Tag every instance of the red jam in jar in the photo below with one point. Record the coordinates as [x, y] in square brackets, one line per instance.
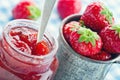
[22, 58]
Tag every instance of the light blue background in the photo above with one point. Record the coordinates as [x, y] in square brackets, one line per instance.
[54, 22]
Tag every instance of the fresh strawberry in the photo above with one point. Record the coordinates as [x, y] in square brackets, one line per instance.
[26, 9]
[85, 42]
[68, 7]
[102, 55]
[111, 39]
[41, 48]
[69, 27]
[97, 16]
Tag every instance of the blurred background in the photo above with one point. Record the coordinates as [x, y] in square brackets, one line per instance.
[6, 7]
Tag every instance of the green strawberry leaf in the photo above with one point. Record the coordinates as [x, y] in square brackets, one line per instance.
[87, 35]
[116, 28]
[81, 31]
[82, 38]
[93, 41]
[34, 12]
[76, 26]
[108, 14]
[73, 29]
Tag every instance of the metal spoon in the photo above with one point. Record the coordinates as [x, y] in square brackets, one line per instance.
[47, 9]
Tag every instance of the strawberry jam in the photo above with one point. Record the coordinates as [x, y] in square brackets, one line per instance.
[22, 58]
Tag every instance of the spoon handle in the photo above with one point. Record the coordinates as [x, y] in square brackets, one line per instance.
[47, 9]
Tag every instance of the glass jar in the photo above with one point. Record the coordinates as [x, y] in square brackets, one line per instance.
[18, 65]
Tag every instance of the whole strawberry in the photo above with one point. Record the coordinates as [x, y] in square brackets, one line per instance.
[97, 16]
[26, 9]
[69, 27]
[68, 7]
[85, 42]
[41, 48]
[111, 39]
[102, 56]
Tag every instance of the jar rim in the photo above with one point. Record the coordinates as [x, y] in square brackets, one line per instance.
[54, 42]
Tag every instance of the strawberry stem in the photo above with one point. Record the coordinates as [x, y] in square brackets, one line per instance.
[87, 36]
[82, 23]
